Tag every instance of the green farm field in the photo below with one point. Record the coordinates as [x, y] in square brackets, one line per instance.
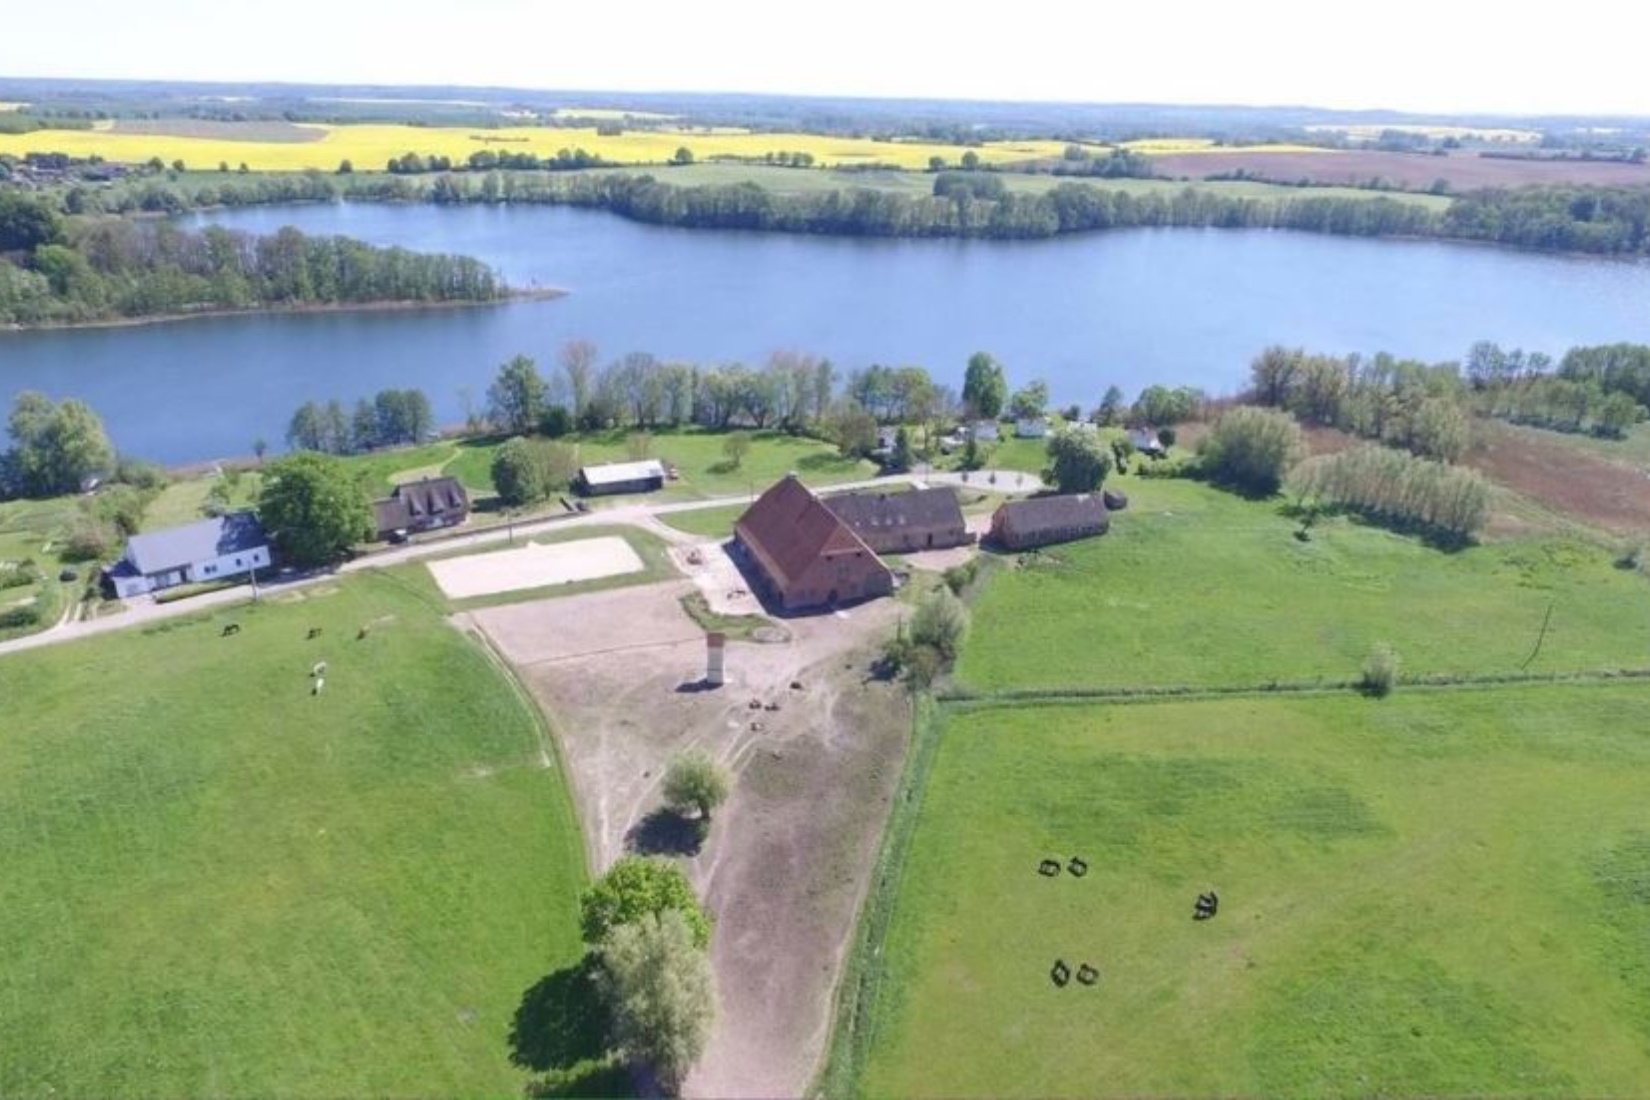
[1196, 587]
[219, 884]
[1440, 893]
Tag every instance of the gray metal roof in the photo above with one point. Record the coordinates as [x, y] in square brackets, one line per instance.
[612, 473]
[175, 547]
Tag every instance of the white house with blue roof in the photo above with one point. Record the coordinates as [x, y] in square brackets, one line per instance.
[211, 550]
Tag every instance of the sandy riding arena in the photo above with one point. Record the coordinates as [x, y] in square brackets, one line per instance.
[534, 566]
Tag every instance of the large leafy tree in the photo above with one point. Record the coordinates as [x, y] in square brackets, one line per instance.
[314, 507]
[527, 471]
[1080, 461]
[56, 445]
[1252, 448]
[636, 887]
[985, 388]
[657, 985]
[696, 783]
[26, 222]
[517, 397]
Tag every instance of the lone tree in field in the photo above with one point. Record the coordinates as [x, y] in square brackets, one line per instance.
[735, 447]
[696, 783]
[1080, 461]
[1380, 671]
[636, 887]
[315, 507]
[1252, 449]
[657, 984]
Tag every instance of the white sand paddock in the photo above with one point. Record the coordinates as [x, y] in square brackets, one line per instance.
[534, 566]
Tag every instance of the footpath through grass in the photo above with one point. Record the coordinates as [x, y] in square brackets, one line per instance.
[1194, 586]
[219, 884]
[1439, 893]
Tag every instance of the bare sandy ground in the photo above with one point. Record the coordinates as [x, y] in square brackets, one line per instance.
[534, 566]
[790, 855]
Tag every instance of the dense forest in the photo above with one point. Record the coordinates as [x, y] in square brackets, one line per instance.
[1609, 221]
[1424, 408]
[56, 270]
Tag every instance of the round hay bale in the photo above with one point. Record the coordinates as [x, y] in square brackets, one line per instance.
[1115, 499]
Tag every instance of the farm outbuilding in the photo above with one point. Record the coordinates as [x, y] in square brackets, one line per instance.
[1042, 521]
[900, 523]
[622, 477]
[421, 506]
[802, 555]
[210, 550]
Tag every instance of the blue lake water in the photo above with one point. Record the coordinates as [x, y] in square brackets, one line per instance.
[1130, 307]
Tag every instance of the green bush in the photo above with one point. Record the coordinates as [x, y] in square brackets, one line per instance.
[14, 617]
[1380, 671]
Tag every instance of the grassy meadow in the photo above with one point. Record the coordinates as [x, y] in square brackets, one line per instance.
[1442, 893]
[1194, 586]
[219, 884]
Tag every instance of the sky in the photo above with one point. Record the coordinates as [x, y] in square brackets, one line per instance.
[1582, 56]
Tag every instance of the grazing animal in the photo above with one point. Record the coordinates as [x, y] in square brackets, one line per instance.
[314, 632]
[320, 685]
[362, 633]
[320, 669]
[230, 628]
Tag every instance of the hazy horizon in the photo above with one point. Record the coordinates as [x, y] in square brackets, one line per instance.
[1408, 56]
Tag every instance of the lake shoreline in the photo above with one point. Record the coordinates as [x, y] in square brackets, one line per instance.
[537, 294]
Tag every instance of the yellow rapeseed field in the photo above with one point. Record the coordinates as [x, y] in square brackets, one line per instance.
[1168, 146]
[371, 147]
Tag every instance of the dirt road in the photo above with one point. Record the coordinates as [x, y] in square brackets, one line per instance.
[789, 856]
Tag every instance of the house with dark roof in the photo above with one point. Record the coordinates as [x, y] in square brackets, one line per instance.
[1042, 521]
[621, 477]
[901, 523]
[421, 506]
[211, 550]
[802, 555]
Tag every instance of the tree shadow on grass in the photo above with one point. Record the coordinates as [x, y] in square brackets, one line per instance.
[561, 1021]
[665, 833]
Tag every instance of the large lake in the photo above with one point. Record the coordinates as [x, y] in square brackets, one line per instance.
[1130, 307]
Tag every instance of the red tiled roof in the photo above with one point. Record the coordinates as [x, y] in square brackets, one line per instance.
[789, 530]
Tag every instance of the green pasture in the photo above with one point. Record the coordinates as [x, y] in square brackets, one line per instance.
[220, 884]
[1195, 586]
[706, 470]
[184, 501]
[709, 523]
[1441, 893]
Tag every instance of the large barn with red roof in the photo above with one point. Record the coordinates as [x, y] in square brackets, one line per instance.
[803, 554]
